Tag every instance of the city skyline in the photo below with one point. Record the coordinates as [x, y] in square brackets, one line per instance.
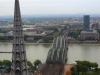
[51, 7]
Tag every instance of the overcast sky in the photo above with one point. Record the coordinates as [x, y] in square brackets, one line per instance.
[44, 7]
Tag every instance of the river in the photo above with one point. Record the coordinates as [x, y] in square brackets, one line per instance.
[89, 52]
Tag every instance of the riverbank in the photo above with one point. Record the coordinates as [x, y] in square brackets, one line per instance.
[84, 42]
[70, 42]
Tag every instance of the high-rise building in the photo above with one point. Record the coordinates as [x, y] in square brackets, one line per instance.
[19, 62]
[86, 22]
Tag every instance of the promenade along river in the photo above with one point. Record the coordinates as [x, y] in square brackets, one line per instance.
[90, 52]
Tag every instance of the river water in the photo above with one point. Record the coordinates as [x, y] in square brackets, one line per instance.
[89, 52]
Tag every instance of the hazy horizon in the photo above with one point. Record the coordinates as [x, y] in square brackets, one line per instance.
[51, 7]
[52, 15]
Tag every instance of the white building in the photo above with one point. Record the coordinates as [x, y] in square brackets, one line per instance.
[89, 35]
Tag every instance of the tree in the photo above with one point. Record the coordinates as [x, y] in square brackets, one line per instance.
[37, 63]
[74, 34]
[85, 66]
[30, 66]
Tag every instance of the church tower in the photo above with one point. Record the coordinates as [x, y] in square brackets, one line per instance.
[19, 62]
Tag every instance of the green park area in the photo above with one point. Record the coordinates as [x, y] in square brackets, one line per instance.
[5, 66]
[81, 67]
[86, 68]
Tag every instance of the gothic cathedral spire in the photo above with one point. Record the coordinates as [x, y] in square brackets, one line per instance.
[19, 62]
